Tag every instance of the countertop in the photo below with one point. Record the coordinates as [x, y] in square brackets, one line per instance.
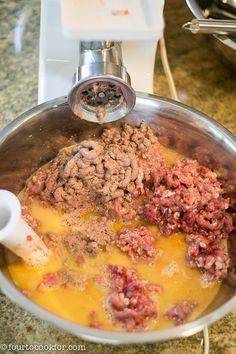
[202, 81]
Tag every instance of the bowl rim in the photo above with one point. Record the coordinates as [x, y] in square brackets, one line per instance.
[104, 336]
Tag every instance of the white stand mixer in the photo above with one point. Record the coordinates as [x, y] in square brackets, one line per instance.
[87, 34]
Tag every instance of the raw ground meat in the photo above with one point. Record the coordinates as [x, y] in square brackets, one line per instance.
[179, 313]
[92, 236]
[26, 292]
[138, 243]
[187, 197]
[208, 255]
[63, 277]
[128, 304]
[97, 173]
[93, 322]
[101, 279]
[155, 288]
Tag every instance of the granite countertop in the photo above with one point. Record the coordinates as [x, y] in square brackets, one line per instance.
[202, 81]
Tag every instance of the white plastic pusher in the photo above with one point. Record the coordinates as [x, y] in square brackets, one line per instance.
[17, 235]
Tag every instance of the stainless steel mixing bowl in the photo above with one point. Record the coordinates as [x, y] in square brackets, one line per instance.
[224, 45]
[36, 136]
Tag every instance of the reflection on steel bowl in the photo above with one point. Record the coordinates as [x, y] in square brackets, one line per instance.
[224, 45]
[39, 134]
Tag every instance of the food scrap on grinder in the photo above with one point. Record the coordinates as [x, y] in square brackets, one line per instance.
[123, 176]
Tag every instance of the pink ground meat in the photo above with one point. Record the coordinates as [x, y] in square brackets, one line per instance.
[138, 243]
[179, 313]
[93, 322]
[208, 255]
[155, 288]
[128, 303]
[187, 197]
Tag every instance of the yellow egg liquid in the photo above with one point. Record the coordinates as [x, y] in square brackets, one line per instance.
[170, 271]
[179, 282]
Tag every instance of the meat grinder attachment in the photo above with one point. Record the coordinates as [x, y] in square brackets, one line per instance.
[102, 91]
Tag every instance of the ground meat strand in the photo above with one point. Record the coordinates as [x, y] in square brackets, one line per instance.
[138, 243]
[128, 302]
[187, 197]
[208, 255]
[179, 313]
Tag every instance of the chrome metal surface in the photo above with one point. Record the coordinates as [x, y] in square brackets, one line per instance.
[224, 45]
[208, 26]
[102, 91]
[35, 137]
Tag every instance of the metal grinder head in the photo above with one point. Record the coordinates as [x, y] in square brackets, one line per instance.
[102, 92]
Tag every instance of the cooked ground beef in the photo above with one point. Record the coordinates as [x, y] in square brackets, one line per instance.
[140, 141]
[187, 197]
[63, 277]
[143, 144]
[178, 313]
[208, 255]
[138, 243]
[99, 172]
[107, 170]
[92, 236]
[128, 304]
[55, 189]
